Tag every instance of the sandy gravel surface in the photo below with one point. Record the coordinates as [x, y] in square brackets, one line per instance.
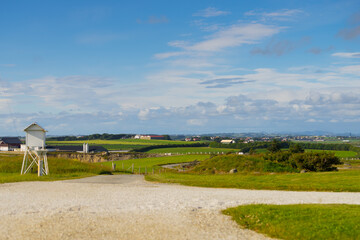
[127, 207]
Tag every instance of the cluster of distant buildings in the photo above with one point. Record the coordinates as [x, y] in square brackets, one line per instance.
[10, 144]
[149, 137]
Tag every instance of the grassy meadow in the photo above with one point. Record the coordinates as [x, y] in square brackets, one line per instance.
[122, 144]
[10, 167]
[153, 162]
[303, 221]
[192, 150]
[341, 181]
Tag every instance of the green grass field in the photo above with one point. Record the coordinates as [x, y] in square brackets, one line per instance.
[153, 162]
[192, 150]
[10, 167]
[122, 144]
[341, 181]
[308, 221]
[327, 141]
[340, 154]
[121, 141]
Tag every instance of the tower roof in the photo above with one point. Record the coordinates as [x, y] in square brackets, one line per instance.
[34, 127]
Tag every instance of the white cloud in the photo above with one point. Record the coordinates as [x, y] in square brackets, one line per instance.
[196, 122]
[5, 104]
[279, 47]
[168, 55]
[210, 12]
[235, 35]
[231, 36]
[352, 69]
[283, 14]
[62, 93]
[143, 114]
[347, 54]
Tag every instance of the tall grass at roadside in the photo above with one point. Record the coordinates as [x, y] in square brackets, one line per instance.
[59, 168]
[308, 221]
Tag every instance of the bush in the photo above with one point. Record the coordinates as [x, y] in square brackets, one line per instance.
[296, 148]
[275, 146]
[308, 161]
[279, 157]
[314, 161]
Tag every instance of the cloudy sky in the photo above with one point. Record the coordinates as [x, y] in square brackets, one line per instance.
[82, 67]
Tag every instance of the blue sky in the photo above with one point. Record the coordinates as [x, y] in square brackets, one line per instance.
[81, 67]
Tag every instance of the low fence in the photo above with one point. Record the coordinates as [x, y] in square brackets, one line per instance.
[349, 159]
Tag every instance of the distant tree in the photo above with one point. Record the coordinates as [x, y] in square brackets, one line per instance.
[275, 146]
[252, 151]
[166, 137]
[205, 138]
[296, 148]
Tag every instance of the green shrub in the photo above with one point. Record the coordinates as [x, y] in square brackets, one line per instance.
[314, 161]
[279, 157]
[296, 148]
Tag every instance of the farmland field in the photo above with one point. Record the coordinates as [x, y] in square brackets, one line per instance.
[122, 144]
[121, 141]
[153, 162]
[185, 150]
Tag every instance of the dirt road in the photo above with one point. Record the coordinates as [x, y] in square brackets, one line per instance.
[127, 207]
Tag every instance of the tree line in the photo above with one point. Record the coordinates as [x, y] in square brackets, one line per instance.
[104, 136]
[246, 147]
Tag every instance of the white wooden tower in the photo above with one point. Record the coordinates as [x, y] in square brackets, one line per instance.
[35, 152]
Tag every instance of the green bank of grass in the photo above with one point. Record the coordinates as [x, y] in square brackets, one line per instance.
[340, 154]
[153, 162]
[341, 181]
[308, 221]
[243, 163]
[10, 167]
[192, 150]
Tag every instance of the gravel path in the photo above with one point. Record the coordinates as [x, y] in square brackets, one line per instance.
[127, 207]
